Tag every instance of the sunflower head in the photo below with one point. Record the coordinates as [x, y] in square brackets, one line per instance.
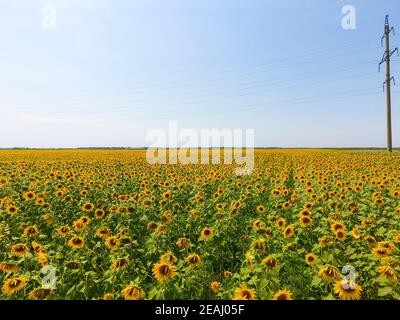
[283, 295]
[193, 260]
[163, 271]
[244, 293]
[310, 259]
[133, 293]
[215, 286]
[347, 290]
[12, 285]
[76, 242]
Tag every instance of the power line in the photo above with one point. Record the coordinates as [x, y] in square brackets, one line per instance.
[151, 86]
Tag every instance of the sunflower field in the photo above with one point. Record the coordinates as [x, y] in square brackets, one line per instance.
[105, 224]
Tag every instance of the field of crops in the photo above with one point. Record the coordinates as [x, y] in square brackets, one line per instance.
[104, 224]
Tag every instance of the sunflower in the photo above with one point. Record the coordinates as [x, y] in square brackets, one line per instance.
[193, 260]
[31, 231]
[79, 225]
[121, 263]
[215, 286]
[107, 296]
[258, 224]
[388, 273]
[12, 210]
[244, 293]
[370, 239]
[258, 245]
[207, 234]
[42, 259]
[152, 225]
[260, 209]
[227, 273]
[355, 233]
[88, 207]
[335, 227]
[282, 295]
[168, 257]
[103, 232]
[163, 271]
[76, 242]
[390, 247]
[347, 290]
[305, 221]
[99, 213]
[85, 220]
[9, 267]
[12, 285]
[19, 250]
[281, 223]
[133, 293]
[340, 235]
[112, 242]
[380, 252]
[37, 247]
[29, 196]
[183, 243]
[63, 231]
[329, 273]
[269, 262]
[310, 259]
[325, 241]
[289, 231]
[39, 294]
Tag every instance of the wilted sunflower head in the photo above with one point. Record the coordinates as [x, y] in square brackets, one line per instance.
[133, 293]
[121, 263]
[9, 267]
[329, 273]
[39, 294]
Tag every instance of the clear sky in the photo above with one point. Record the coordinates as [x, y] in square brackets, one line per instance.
[112, 70]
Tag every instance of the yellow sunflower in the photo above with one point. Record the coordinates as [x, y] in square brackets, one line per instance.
[329, 273]
[133, 293]
[193, 260]
[206, 234]
[12, 285]
[348, 290]
[19, 250]
[283, 295]
[163, 271]
[76, 242]
[244, 293]
[311, 259]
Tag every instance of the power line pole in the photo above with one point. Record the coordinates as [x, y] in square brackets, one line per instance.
[386, 58]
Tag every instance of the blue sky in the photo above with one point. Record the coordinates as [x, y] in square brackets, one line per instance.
[112, 70]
